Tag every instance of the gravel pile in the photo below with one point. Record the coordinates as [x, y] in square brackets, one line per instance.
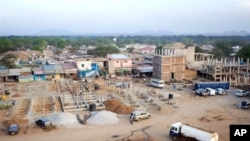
[66, 119]
[103, 117]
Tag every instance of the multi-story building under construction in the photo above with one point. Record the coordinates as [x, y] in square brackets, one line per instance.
[170, 62]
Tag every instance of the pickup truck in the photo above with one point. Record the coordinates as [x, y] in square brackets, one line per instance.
[44, 123]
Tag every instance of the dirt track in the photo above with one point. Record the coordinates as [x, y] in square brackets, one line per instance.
[214, 113]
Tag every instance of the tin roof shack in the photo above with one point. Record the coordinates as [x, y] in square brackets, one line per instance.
[70, 70]
[26, 75]
[4, 75]
[119, 63]
[38, 74]
[143, 69]
[14, 74]
[49, 72]
[59, 72]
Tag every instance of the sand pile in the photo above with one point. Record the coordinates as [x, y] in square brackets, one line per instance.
[16, 95]
[117, 107]
[103, 117]
[67, 119]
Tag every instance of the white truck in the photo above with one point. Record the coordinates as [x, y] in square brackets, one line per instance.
[179, 131]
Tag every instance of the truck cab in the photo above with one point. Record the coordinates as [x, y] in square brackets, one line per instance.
[175, 130]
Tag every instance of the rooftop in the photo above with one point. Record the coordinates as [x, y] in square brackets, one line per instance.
[117, 56]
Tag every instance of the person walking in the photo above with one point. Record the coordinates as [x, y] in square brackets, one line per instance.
[131, 120]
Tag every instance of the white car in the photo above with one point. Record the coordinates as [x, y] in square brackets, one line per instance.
[139, 115]
[242, 93]
[220, 91]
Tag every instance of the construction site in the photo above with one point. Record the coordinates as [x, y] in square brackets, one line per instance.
[42, 98]
[103, 104]
[70, 103]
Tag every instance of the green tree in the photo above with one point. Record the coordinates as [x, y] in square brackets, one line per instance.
[244, 52]
[61, 43]
[103, 51]
[218, 53]
[187, 41]
[225, 47]
[9, 61]
[131, 49]
[198, 49]
[39, 44]
[5, 45]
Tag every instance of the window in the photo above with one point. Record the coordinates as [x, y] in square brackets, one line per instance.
[117, 61]
[82, 65]
[125, 61]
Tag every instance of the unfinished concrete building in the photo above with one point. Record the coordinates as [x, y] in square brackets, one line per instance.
[170, 62]
[233, 70]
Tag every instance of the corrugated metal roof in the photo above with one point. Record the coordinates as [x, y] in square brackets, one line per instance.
[4, 72]
[38, 71]
[69, 66]
[118, 56]
[48, 69]
[14, 72]
[145, 68]
[58, 68]
[25, 69]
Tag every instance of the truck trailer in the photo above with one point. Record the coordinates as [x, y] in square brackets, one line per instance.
[213, 85]
[182, 131]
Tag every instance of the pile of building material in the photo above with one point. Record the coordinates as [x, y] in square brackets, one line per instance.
[64, 119]
[117, 107]
[102, 118]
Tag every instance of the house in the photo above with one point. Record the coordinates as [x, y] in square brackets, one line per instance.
[38, 74]
[207, 48]
[14, 74]
[86, 68]
[26, 75]
[147, 50]
[59, 72]
[118, 63]
[70, 70]
[49, 72]
[4, 74]
[48, 53]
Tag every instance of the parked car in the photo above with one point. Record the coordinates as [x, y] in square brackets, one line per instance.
[242, 93]
[44, 123]
[210, 91]
[13, 129]
[244, 104]
[139, 115]
[200, 91]
[220, 91]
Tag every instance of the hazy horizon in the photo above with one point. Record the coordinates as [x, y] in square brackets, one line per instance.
[30, 17]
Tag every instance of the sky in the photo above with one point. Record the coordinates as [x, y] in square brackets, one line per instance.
[24, 17]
